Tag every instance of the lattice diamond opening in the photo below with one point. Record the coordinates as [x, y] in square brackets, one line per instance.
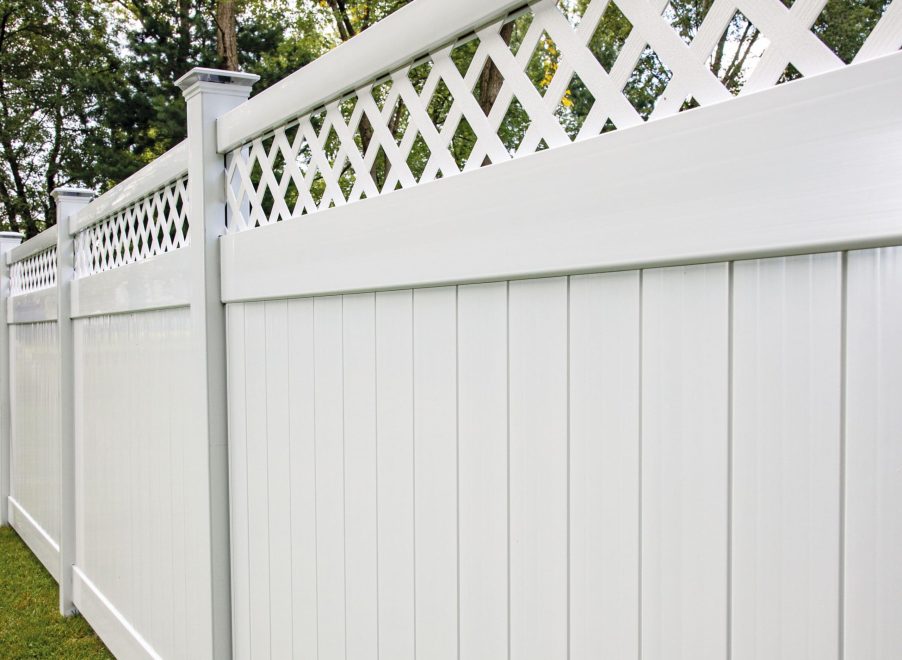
[33, 273]
[647, 82]
[789, 73]
[738, 52]
[151, 226]
[844, 25]
[541, 77]
[686, 17]
[574, 108]
[610, 36]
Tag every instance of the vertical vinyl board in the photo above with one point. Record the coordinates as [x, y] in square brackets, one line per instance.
[435, 500]
[131, 437]
[483, 483]
[167, 456]
[787, 328]
[78, 439]
[279, 476]
[141, 487]
[257, 478]
[177, 440]
[873, 453]
[34, 441]
[330, 542]
[159, 499]
[302, 463]
[538, 469]
[359, 349]
[604, 466]
[394, 428]
[685, 386]
[238, 494]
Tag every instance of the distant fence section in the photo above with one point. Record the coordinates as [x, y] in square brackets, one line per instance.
[34, 379]
[563, 381]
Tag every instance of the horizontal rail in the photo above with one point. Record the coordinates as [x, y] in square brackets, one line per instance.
[157, 283]
[393, 41]
[33, 307]
[165, 169]
[44, 547]
[808, 166]
[117, 633]
[43, 241]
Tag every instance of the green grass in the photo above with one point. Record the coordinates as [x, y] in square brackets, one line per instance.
[30, 623]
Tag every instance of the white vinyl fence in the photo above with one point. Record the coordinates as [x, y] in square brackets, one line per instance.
[633, 396]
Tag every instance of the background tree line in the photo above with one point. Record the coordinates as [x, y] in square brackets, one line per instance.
[87, 92]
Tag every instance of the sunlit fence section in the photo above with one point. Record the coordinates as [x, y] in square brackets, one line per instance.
[33, 359]
[538, 77]
[34, 273]
[625, 388]
[135, 230]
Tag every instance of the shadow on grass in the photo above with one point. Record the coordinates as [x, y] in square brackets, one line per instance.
[30, 623]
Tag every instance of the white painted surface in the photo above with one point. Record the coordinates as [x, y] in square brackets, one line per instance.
[605, 320]
[165, 169]
[33, 307]
[46, 549]
[482, 437]
[34, 438]
[8, 240]
[430, 28]
[587, 207]
[395, 460]
[685, 436]
[787, 337]
[158, 283]
[396, 39]
[133, 434]
[684, 462]
[872, 570]
[537, 353]
[594, 465]
[34, 245]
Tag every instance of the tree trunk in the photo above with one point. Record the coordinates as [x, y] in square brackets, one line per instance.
[184, 35]
[491, 80]
[227, 35]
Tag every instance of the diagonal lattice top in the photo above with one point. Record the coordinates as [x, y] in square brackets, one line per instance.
[34, 273]
[549, 74]
[151, 226]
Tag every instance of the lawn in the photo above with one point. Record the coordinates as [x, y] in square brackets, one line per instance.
[30, 623]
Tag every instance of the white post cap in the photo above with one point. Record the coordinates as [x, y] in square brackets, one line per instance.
[240, 81]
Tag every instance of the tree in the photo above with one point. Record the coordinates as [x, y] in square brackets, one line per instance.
[55, 63]
[227, 35]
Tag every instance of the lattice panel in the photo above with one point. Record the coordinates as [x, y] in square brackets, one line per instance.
[149, 227]
[34, 273]
[548, 75]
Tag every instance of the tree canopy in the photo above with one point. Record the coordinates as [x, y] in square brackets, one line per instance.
[87, 92]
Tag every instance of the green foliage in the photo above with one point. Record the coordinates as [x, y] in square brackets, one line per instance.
[50, 86]
[30, 623]
[845, 24]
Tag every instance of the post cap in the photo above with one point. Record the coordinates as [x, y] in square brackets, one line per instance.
[64, 191]
[11, 234]
[241, 80]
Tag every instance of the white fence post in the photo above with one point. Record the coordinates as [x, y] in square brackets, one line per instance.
[209, 93]
[68, 202]
[8, 240]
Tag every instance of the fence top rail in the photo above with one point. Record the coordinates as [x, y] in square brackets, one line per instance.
[34, 245]
[402, 37]
[165, 169]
